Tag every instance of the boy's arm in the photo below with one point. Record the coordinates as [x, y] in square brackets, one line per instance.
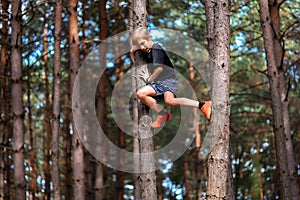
[155, 74]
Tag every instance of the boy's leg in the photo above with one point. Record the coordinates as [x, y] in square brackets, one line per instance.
[171, 100]
[146, 94]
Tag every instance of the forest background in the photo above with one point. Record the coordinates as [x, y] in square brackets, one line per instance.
[252, 138]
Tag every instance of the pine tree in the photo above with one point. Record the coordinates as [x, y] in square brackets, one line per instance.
[17, 100]
[219, 180]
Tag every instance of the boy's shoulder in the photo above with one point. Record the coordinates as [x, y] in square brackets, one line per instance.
[157, 46]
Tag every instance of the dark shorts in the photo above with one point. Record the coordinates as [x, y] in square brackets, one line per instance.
[161, 87]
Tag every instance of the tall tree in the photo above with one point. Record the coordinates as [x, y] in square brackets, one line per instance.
[56, 102]
[78, 153]
[218, 26]
[147, 178]
[4, 98]
[32, 152]
[101, 98]
[288, 188]
[47, 145]
[17, 100]
[136, 147]
[278, 42]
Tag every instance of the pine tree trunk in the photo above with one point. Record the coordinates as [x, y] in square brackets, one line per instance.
[136, 147]
[101, 100]
[46, 164]
[147, 178]
[17, 100]
[67, 148]
[32, 152]
[279, 55]
[219, 49]
[47, 156]
[121, 135]
[287, 180]
[78, 153]
[186, 178]
[56, 102]
[4, 99]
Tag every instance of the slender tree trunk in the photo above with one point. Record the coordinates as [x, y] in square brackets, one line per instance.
[121, 135]
[287, 180]
[78, 153]
[46, 164]
[217, 13]
[101, 100]
[32, 152]
[17, 100]
[147, 178]
[56, 102]
[4, 99]
[136, 147]
[89, 160]
[67, 149]
[186, 178]
[274, 7]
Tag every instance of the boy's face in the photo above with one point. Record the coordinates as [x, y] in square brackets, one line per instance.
[145, 45]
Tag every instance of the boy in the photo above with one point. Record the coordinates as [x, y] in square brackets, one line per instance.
[162, 80]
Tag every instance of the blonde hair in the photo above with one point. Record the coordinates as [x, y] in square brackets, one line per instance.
[137, 35]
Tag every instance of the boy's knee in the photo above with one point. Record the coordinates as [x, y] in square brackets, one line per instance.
[170, 102]
[140, 94]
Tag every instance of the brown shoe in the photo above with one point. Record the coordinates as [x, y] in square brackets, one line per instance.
[160, 120]
[206, 109]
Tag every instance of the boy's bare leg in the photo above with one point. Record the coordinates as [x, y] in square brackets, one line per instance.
[145, 94]
[171, 100]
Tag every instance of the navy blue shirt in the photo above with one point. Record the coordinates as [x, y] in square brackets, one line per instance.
[156, 57]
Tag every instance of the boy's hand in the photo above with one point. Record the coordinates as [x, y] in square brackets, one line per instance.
[144, 74]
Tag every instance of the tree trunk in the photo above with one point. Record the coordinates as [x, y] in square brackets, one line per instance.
[4, 99]
[101, 100]
[78, 153]
[32, 152]
[121, 135]
[186, 178]
[136, 147]
[56, 102]
[17, 100]
[274, 7]
[218, 27]
[46, 163]
[287, 180]
[67, 148]
[147, 178]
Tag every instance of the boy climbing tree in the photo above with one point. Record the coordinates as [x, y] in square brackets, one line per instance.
[161, 80]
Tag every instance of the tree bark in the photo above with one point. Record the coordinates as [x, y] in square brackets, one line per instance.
[147, 179]
[17, 100]
[287, 181]
[274, 7]
[4, 100]
[136, 147]
[78, 153]
[67, 148]
[46, 163]
[186, 178]
[218, 26]
[121, 135]
[101, 100]
[32, 152]
[56, 102]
